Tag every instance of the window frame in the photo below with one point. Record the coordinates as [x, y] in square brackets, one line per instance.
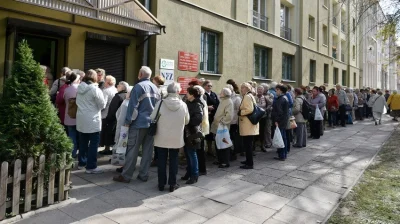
[313, 70]
[325, 35]
[326, 73]
[355, 79]
[204, 49]
[311, 27]
[287, 67]
[261, 63]
[344, 78]
[354, 53]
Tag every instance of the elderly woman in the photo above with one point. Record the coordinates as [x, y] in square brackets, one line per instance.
[223, 116]
[333, 107]
[205, 129]
[350, 96]
[377, 107]
[394, 102]
[317, 101]
[261, 101]
[70, 94]
[247, 129]
[360, 105]
[90, 102]
[268, 120]
[193, 134]
[172, 114]
[109, 91]
[212, 104]
[301, 130]
[234, 128]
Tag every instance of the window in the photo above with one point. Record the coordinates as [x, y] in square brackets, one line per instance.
[287, 67]
[325, 35]
[259, 14]
[209, 52]
[335, 76]
[326, 73]
[311, 27]
[354, 25]
[261, 62]
[326, 3]
[344, 78]
[313, 65]
[286, 32]
[354, 52]
[355, 79]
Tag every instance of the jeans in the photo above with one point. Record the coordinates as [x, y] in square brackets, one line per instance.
[192, 163]
[282, 153]
[73, 135]
[248, 144]
[88, 145]
[162, 166]
[301, 134]
[332, 115]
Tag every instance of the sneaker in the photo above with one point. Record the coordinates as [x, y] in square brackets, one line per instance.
[95, 171]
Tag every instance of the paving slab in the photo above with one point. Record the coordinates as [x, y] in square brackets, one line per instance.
[163, 203]
[226, 196]
[244, 187]
[178, 216]
[304, 175]
[86, 209]
[282, 190]
[209, 183]
[260, 179]
[313, 206]
[272, 172]
[225, 175]
[330, 186]
[139, 213]
[122, 198]
[205, 207]
[289, 214]
[49, 217]
[294, 182]
[321, 195]
[189, 193]
[268, 200]
[274, 221]
[251, 212]
[225, 218]
[96, 219]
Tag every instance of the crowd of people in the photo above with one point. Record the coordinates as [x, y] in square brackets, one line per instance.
[189, 124]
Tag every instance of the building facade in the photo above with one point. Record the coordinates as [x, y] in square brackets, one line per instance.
[300, 42]
[80, 34]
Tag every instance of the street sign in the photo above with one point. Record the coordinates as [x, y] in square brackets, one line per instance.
[167, 64]
[168, 76]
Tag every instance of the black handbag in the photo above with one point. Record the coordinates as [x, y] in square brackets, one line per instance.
[256, 115]
[153, 124]
[348, 107]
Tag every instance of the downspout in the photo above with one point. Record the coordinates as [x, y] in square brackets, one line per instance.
[145, 58]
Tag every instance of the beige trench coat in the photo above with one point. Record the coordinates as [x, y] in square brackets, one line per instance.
[246, 128]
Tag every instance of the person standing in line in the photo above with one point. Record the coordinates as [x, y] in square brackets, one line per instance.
[371, 101]
[361, 102]
[172, 114]
[333, 107]
[159, 81]
[234, 128]
[106, 135]
[317, 101]
[394, 101]
[301, 130]
[246, 128]
[343, 101]
[193, 135]
[387, 95]
[212, 103]
[223, 116]
[70, 93]
[101, 75]
[141, 104]
[369, 108]
[90, 102]
[261, 101]
[55, 87]
[280, 117]
[205, 129]
[377, 107]
[289, 134]
[60, 102]
[350, 96]
[268, 122]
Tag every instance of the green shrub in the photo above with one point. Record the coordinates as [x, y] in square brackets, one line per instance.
[29, 125]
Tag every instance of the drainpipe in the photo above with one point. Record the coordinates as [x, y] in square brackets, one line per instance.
[145, 59]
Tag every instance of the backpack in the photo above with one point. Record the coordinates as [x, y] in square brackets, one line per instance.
[72, 108]
[306, 110]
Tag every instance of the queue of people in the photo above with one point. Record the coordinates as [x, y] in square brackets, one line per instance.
[163, 124]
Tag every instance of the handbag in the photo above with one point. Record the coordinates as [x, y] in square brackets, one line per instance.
[291, 123]
[153, 124]
[256, 115]
[348, 107]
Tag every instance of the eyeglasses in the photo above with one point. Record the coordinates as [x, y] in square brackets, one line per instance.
[209, 85]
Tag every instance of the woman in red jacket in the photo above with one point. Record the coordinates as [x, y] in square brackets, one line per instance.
[333, 107]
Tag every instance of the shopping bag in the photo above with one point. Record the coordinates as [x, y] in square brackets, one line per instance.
[123, 140]
[222, 138]
[277, 141]
[117, 159]
[318, 115]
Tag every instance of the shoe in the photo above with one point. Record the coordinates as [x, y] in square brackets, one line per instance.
[263, 150]
[142, 178]
[242, 154]
[172, 188]
[161, 188]
[297, 146]
[254, 154]
[186, 177]
[243, 162]
[210, 154]
[223, 166]
[216, 163]
[201, 174]
[119, 170]
[380, 122]
[153, 163]
[280, 159]
[376, 123]
[97, 170]
[106, 152]
[246, 167]
[192, 180]
[81, 167]
[121, 179]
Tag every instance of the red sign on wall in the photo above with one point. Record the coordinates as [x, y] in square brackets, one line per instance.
[184, 81]
[188, 61]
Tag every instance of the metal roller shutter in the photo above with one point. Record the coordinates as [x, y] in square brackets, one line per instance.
[107, 56]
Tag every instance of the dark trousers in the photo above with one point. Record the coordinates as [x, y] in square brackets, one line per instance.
[224, 155]
[282, 152]
[201, 158]
[236, 138]
[315, 128]
[289, 137]
[332, 116]
[342, 111]
[369, 112]
[261, 136]
[88, 145]
[162, 166]
[248, 145]
[155, 153]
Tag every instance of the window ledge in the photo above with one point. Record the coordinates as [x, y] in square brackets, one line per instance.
[324, 6]
[261, 79]
[326, 84]
[311, 38]
[289, 81]
[324, 45]
[210, 74]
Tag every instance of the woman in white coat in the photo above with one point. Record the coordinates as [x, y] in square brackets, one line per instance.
[172, 114]
[90, 101]
[377, 107]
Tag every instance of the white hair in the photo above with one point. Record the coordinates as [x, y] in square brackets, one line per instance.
[226, 92]
[65, 70]
[201, 89]
[111, 80]
[174, 87]
[145, 72]
[273, 85]
[229, 86]
[260, 87]
[265, 85]
[124, 84]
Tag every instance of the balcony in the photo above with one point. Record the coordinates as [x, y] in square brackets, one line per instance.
[343, 28]
[342, 57]
[260, 21]
[286, 32]
[334, 21]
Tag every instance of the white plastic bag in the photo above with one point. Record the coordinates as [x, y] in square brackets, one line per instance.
[222, 138]
[318, 115]
[277, 142]
[123, 140]
[117, 159]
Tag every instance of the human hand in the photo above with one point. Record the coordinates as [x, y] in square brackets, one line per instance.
[276, 124]
[210, 108]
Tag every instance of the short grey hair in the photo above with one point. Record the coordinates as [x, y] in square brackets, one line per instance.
[394, 91]
[110, 80]
[226, 91]
[338, 85]
[229, 86]
[174, 87]
[145, 72]
[260, 87]
[200, 89]
[273, 85]
[265, 85]
[65, 70]
[125, 85]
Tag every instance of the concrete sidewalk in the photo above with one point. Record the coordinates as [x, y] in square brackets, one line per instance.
[303, 189]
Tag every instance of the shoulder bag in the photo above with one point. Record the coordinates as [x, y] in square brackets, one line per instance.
[153, 124]
[256, 115]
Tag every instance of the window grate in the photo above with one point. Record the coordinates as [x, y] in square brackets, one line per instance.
[287, 66]
[260, 62]
[312, 70]
[209, 52]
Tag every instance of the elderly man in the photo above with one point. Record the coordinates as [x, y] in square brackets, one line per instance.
[101, 74]
[109, 92]
[143, 98]
[343, 101]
